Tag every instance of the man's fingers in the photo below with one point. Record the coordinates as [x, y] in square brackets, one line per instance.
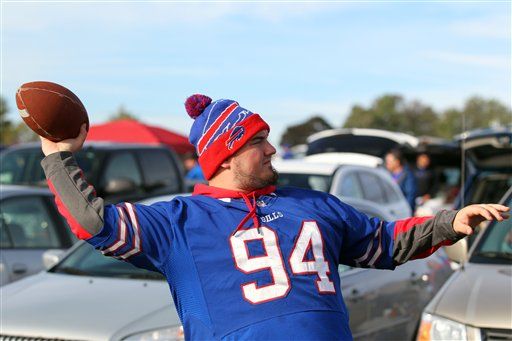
[484, 212]
[83, 131]
[499, 207]
[493, 210]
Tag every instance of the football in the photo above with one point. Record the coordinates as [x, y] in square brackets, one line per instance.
[51, 110]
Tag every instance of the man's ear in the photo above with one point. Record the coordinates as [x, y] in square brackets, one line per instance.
[226, 164]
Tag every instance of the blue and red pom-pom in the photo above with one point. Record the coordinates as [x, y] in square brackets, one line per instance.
[196, 104]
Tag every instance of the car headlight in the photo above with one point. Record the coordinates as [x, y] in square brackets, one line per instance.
[167, 334]
[434, 327]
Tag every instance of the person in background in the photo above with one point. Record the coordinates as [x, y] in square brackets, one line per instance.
[194, 172]
[425, 178]
[395, 164]
[286, 152]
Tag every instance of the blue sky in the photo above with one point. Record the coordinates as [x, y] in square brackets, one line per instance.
[285, 61]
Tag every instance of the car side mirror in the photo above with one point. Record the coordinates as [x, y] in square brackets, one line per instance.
[119, 185]
[51, 257]
[457, 252]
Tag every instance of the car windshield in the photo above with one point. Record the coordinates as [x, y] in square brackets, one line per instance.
[23, 166]
[309, 181]
[495, 246]
[90, 160]
[86, 261]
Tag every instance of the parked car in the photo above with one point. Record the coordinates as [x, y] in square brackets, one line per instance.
[475, 303]
[119, 172]
[347, 175]
[113, 300]
[374, 142]
[488, 170]
[29, 225]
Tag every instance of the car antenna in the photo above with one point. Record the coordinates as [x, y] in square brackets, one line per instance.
[464, 135]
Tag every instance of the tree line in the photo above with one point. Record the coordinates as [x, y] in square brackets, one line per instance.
[389, 112]
[392, 112]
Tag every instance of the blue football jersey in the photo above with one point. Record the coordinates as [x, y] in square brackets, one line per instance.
[272, 281]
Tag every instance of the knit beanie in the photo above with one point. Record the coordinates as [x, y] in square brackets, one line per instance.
[220, 129]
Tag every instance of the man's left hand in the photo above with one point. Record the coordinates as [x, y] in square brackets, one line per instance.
[471, 216]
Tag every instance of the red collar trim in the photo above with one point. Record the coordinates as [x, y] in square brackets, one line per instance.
[216, 192]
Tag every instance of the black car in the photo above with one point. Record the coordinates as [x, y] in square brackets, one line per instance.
[119, 172]
[488, 158]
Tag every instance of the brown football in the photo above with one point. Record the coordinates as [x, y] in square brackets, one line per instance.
[51, 110]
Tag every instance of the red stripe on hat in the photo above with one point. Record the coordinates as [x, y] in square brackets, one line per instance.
[76, 228]
[213, 157]
[203, 142]
[405, 225]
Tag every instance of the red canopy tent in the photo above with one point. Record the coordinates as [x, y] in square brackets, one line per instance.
[133, 131]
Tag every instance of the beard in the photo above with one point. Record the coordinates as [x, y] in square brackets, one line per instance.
[250, 181]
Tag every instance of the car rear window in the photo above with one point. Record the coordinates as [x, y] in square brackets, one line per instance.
[160, 172]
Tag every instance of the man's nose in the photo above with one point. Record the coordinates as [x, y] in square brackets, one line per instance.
[270, 150]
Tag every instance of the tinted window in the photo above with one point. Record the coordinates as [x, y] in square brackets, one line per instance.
[90, 160]
[350, 187]
[496, 243]
[160, 173]
[26, 223]
[21, 167]
[490, 188]
[308, 181]
[11, 167]
[390, 193]
[122, 166]
[372, 188]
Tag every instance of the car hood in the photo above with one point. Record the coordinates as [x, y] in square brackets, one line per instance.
[478, 295]
[62, 306]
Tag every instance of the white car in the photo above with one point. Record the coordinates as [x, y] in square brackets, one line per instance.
[352, 177]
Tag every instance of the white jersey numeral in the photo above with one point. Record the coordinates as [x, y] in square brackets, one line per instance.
[309, 238]
[272, 261]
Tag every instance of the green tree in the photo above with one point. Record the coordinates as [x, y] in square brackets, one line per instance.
[298, 134]
[392, 112]
[476, 113]
[5, 124]
[122, 114]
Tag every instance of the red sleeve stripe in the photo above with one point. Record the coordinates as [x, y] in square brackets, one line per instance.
[433, 249]
[77, 229]
[405, 225]
[136, 249]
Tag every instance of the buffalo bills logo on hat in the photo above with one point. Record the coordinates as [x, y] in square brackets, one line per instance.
[236, 135]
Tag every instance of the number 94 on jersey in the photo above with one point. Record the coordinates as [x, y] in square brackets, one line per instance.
[309, 240]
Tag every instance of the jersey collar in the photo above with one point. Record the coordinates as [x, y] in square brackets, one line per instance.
[217, 192]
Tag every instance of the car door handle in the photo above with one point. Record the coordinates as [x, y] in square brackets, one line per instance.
[417, 279]
[354, 295]
[19, 268]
